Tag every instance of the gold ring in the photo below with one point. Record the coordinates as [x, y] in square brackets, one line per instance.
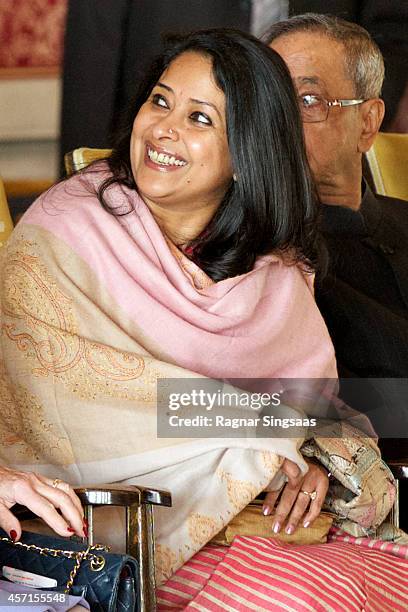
[312, 494]
[56, 482]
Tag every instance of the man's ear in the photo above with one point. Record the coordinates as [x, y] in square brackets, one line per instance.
[372, 115]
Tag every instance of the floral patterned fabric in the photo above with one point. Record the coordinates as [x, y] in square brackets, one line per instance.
[31, 33]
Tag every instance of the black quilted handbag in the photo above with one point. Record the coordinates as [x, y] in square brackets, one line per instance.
[109, 582]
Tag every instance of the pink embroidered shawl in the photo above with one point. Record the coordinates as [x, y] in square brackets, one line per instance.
[95, 309]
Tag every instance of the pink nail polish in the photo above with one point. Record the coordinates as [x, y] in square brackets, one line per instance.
[306, 524]
[276, 527]
[266, 510]
[289, 529]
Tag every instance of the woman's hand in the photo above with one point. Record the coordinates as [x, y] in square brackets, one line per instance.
[293, 502]
[42, 496]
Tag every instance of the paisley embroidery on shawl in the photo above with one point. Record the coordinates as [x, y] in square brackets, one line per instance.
[44, 329]
[271, 462]
[199, 279]
[166, 562]
[202, 528]
[240, 492]
[22, 417]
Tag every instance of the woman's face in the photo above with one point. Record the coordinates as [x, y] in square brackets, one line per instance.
[179, 150]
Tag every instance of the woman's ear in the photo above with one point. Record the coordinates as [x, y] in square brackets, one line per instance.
[372, 115]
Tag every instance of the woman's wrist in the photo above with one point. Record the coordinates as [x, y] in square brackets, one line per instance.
[320, 465]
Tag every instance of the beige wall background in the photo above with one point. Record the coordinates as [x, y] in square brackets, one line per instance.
[29, 128]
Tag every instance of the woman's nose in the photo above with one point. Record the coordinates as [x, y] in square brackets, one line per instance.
[166, 129]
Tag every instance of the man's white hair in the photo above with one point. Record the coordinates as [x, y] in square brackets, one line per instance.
[363, 60]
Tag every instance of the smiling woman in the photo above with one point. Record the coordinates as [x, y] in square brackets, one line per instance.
[186, 255]
[179, 149]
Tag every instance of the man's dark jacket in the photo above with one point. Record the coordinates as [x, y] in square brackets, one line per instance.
[364, 301]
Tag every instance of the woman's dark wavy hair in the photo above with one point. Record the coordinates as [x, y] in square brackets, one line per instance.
[272, 206]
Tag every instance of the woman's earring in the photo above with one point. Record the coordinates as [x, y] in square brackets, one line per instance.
[234, 177]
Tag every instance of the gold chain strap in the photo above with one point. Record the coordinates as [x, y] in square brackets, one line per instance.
[97, 562]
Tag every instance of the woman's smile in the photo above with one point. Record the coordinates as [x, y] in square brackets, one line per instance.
[163, 160]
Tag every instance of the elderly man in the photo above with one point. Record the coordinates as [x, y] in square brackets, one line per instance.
[338, 72]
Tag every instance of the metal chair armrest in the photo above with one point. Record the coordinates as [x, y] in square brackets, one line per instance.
[138, 502]
[122, 495]
[399, 468]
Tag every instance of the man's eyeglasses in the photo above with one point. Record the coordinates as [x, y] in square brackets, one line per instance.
[315, 108]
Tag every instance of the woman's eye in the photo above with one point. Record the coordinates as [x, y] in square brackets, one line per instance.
[159, 100]
[198, 117]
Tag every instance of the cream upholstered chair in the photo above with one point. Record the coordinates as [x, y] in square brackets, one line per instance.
[388, 163]
[81, 158]
[6, 224]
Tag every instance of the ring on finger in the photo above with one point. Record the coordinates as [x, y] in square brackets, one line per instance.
[311, 494]
[56, 482]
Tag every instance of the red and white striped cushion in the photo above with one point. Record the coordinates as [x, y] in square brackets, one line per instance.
[263, 574]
